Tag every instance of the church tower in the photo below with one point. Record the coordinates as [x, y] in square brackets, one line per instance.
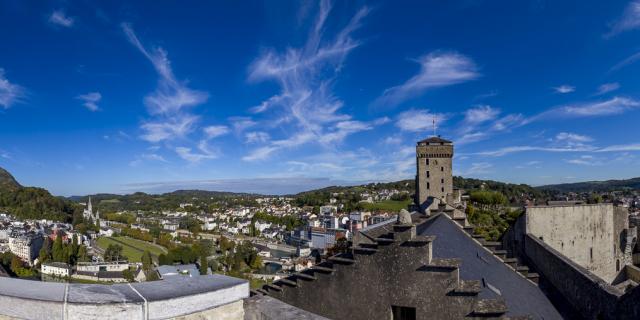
[434, 170]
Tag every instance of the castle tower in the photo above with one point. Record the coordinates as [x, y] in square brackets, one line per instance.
[434, 170]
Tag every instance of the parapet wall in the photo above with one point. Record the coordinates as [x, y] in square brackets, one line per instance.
[593, 297]
[204, 297]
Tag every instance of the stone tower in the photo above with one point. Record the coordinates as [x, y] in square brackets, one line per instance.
[434, 170]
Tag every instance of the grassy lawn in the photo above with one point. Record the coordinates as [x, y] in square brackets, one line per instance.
[131, 248]
[387, 205]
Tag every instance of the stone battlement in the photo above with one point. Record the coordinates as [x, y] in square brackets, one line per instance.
[203, 297]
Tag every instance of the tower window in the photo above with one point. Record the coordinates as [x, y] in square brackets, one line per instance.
[427, 161]
[442, 169]
[442, 189]
[427, 185]
[427, 174]
[442, 180]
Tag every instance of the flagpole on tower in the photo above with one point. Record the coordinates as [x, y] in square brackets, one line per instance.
[434, 125]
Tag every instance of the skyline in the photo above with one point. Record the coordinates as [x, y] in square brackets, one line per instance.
[124, 97]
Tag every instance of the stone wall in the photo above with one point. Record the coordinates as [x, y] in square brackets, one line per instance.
[203, 297]
[587, 234]
[397, 271]
[587, 293]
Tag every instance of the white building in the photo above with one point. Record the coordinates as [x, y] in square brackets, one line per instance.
[26, 245]
[59, 269]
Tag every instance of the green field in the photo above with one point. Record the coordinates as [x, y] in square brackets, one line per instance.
[131, 248]
[387, 205]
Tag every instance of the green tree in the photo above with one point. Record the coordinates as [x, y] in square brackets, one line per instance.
[16, 264]
[113, 253]
[128, 274]
[82, 254]
[147, 261]
[58, 250]
[204, 265]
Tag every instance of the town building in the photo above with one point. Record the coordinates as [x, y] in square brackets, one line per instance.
[26, 245]
[59, 269]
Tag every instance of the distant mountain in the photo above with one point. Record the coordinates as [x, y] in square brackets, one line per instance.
[31, 202]
[595, 186]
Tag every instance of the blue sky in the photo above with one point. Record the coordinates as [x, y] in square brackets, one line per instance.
[253, 96]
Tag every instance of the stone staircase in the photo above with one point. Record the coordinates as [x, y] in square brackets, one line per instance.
[442, 275]
[497, 250]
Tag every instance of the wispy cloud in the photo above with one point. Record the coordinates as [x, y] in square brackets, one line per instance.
[215, 131]
[171, 96]
[59, 18]
[306, 76]
[629, 20]
[573, 137]
[478, 168]
[515, 149]
[168, 129]
[419, 120]
[629, 60]
[170, 106]
[608, 87]
[257, 137]
[437, 69]
[10, 93]
[564, 89]
[615, 105]
[480, 114]
[147, 157]
[90, 100]
[585, 160]
[204, 152]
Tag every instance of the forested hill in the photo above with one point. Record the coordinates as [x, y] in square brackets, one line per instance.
[32, 203]
[107, 202]
[595, 186]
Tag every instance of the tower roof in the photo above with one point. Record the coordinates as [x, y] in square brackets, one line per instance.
[434, 139]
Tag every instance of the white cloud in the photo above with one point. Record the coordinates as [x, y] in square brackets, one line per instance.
[437, 69]
[478, 168]
[629, 60]
[585, 160]
[261, 153]
[306, 76]
[480, 114]
[565, 89]
[515, 149]
[419, 120]
[615, 105]
[572, 137]
[10, 93]
[171, 96]
[90, 100]
[240, 124]
[256, 137]
[168, 129]
[147, 156]
[205, 153]
[630, 20]
[621, 147]
[215, 131]
[608, 87]
[59, 18]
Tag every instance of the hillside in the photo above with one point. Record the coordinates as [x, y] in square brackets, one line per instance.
[7, 181]
[32, 203]
[106, 202]
[595, 186]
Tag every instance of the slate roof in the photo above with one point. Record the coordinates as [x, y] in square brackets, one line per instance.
[499, 281]
[434, 140]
